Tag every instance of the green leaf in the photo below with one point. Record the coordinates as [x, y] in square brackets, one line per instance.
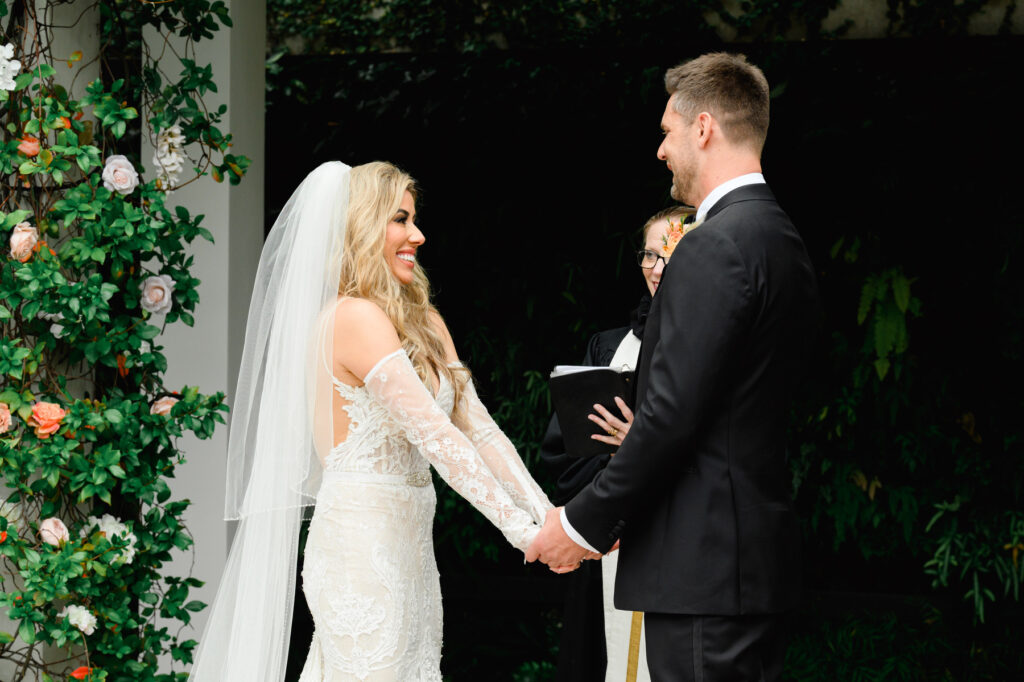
[887, 323]
[867, 299]
[23, 79]
[901, 292]
[13, 218]
[113, 416]
[147, 331]
[882, 367]
[27, 632]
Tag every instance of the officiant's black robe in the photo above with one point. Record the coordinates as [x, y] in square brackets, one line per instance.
[582, 656]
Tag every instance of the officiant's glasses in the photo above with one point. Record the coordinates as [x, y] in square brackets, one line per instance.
[648, 259]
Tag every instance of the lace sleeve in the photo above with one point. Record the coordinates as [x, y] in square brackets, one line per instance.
[394, 384]
[500, 456]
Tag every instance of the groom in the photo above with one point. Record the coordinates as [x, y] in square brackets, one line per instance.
[698, 492]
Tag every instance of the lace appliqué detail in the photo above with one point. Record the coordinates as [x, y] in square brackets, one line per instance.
[370, 577]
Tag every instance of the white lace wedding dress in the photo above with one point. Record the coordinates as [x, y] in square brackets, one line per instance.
[369, 574]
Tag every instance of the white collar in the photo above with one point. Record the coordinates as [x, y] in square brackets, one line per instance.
[729, 185]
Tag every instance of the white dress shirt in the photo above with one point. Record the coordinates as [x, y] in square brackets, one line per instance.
[709, 201]
[729, 185]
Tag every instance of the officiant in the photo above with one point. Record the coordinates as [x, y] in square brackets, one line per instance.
[595, 642]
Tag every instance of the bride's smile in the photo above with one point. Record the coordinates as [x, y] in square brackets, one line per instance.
[402, 240]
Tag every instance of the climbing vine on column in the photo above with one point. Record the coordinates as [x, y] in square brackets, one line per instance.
[95, 265]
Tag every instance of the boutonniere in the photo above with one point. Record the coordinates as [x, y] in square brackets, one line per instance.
[676, 231]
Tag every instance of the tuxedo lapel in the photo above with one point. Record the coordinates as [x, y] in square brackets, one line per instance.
[755, 192]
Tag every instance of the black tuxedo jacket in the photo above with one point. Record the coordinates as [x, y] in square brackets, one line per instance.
[698, 492]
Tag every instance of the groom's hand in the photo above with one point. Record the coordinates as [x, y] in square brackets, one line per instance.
[554, 548]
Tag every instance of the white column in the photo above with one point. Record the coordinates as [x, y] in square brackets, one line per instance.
[208, 354]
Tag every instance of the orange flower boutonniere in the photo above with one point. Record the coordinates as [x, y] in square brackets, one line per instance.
[676, 231]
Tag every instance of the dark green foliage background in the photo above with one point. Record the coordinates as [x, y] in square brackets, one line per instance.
[895, 159]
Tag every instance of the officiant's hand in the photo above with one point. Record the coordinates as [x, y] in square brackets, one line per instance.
[615, 428]
[554, 548]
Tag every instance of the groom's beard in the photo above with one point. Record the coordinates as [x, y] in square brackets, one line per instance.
[684, 177]
[682, 184]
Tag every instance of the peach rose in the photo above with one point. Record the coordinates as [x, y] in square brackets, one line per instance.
[29, 146]
[46, 418]
[5, 418]
[119, 175]
[52, 531]
[24, 238]
[163, 406]
[156, 293]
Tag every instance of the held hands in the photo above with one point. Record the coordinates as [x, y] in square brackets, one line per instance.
[611, 425]
[556, 549]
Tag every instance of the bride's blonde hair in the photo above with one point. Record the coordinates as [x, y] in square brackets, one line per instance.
[376, 191]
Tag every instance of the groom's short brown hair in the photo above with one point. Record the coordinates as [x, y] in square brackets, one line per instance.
[729, 88]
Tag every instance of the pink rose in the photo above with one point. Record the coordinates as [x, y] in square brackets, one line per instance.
[46, 418]
[5, 418]
[163, 406]
[29, 146]
[119, 175]
[52, 531]
[156, 293]
[24, 238]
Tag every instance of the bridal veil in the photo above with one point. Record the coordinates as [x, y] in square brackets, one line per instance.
[276, 433]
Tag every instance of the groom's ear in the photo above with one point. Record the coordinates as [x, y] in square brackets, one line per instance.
[704, 124]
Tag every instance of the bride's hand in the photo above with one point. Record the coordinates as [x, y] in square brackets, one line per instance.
[615, 428]
[589, 556]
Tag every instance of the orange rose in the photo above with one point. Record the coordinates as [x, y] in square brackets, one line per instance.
[46, 418]
[29, 146]
[5, 418]
[81, 673]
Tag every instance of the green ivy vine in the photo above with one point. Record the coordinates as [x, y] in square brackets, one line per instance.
[95, 266]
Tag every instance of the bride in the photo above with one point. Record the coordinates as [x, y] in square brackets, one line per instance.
[349, 390]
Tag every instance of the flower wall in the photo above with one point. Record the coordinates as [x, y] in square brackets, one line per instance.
[95, 265]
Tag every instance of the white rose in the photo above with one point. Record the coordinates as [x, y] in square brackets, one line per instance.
[119, 175]
[110, 526]
[80, 617]
[52, 531]
[23, 239]
[163, 405]
[157, 293]
[9, 67]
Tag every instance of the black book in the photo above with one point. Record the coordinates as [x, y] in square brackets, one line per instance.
[574, 391]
